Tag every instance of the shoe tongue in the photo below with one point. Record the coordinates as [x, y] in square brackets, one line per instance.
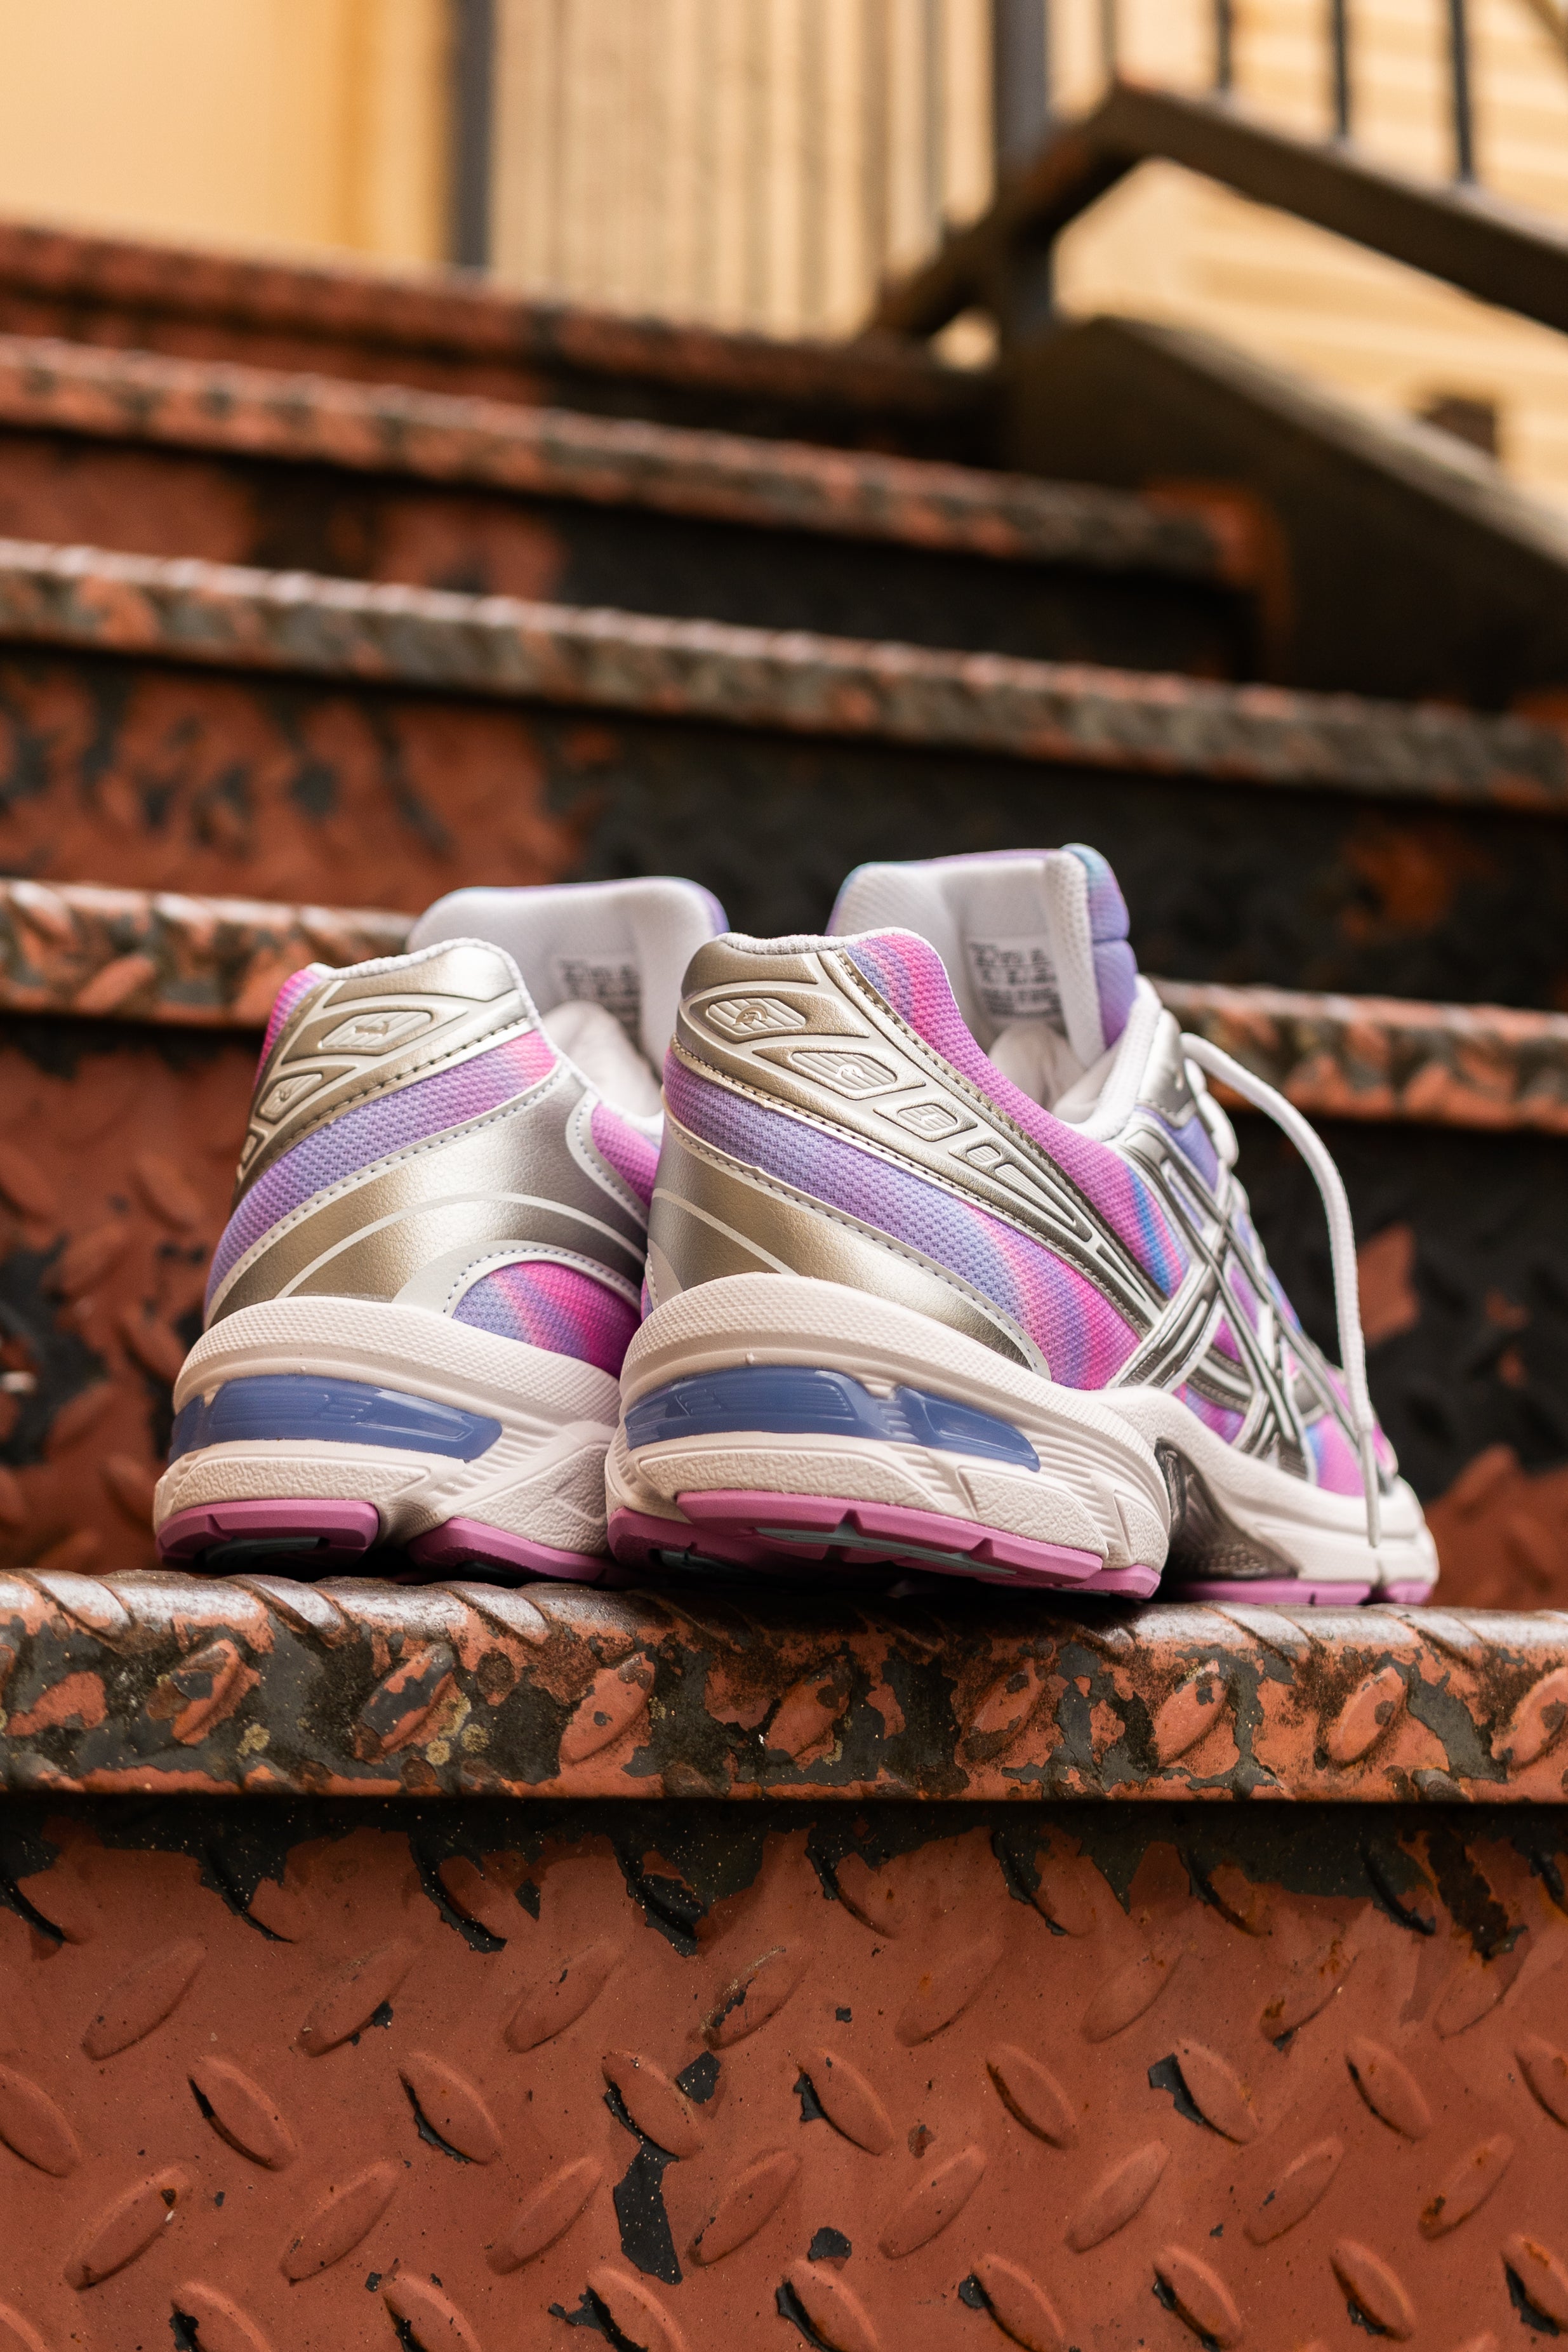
[621, 946]
[1029, 937]
[612, 1065]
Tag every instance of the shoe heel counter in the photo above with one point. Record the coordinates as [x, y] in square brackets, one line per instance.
[342, 1039]
[714, 1213]
[461, 1146]
[788, 1119]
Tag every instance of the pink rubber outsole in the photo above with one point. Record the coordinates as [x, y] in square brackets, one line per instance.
[763, 1532]
[1304, 1592]
[750, 1529]
[755, 1531]
[342, 1532]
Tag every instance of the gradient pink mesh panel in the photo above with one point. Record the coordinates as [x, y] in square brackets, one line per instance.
[1335, 1457]
[414, 1113]
[1217, 1417]
[1246, 1297]
[633, 1155]
[552, 1307]
[1082, 1337]
[1381, 1447]
[911, 978]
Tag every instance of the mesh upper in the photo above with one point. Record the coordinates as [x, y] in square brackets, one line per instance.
[357, 1138]
[1083, 1337]
[911, 977]
[552, 1307]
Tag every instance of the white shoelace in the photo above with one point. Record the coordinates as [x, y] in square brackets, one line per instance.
[1341, 1251]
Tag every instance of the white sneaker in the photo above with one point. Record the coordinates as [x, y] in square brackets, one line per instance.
[1024, 1328]
[417, 1313]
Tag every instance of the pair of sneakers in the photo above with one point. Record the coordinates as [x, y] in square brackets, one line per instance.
[933, 1258]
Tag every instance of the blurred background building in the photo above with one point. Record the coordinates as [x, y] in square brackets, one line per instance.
[763, 163]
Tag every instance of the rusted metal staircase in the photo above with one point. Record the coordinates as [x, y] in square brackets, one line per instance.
[322, 640]
[453, 1970]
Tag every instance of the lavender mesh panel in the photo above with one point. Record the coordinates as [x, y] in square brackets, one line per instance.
[1116, 976]
[1193, 1140]
[1115, 965]
[1242, 1293]
[1107, 918]
[1282, 1304]
[1335, 1457]
[424, 1109]
[910, 975]
[1381, 1447]
[1224, 1423]
[632, 1155]
[1084, 1340]
[299, 984]
[552, 1307]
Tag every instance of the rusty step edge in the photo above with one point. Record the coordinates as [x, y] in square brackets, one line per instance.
[230, 616]
[257, 1685]
[235, 411]
[451, 316]
[76, 949]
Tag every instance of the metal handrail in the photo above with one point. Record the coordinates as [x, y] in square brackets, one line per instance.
[780, 152]
[472, 51]
[1461, 80]
[1020, 80]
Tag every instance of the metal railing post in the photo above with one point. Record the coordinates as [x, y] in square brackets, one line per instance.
[1020, 80]
[933, 124]
[472, 132]
[1224, 45]
[1340, 65]
[876, 128]
[1022, 297]
[1459, 74]
[1110, 39]
[813, 286]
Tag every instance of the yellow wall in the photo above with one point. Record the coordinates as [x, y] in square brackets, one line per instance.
[759, 161]
[259, 123]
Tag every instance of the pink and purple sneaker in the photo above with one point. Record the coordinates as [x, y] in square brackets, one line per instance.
[948, 1269]
[417, 1316]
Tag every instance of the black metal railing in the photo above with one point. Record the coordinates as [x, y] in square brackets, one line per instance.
[1340, 65]
[925, 90]
[1022, 51]
[472, 49]
[1461, 80]
[1021, 45]
[1460, 85]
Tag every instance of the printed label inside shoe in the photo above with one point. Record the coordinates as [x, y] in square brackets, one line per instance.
[615, 985]
[1014, 979]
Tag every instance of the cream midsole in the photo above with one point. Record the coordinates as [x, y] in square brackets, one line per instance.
[1324, 1533]
[543, 1478]
[1099, 1474]
[1098, 1488]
